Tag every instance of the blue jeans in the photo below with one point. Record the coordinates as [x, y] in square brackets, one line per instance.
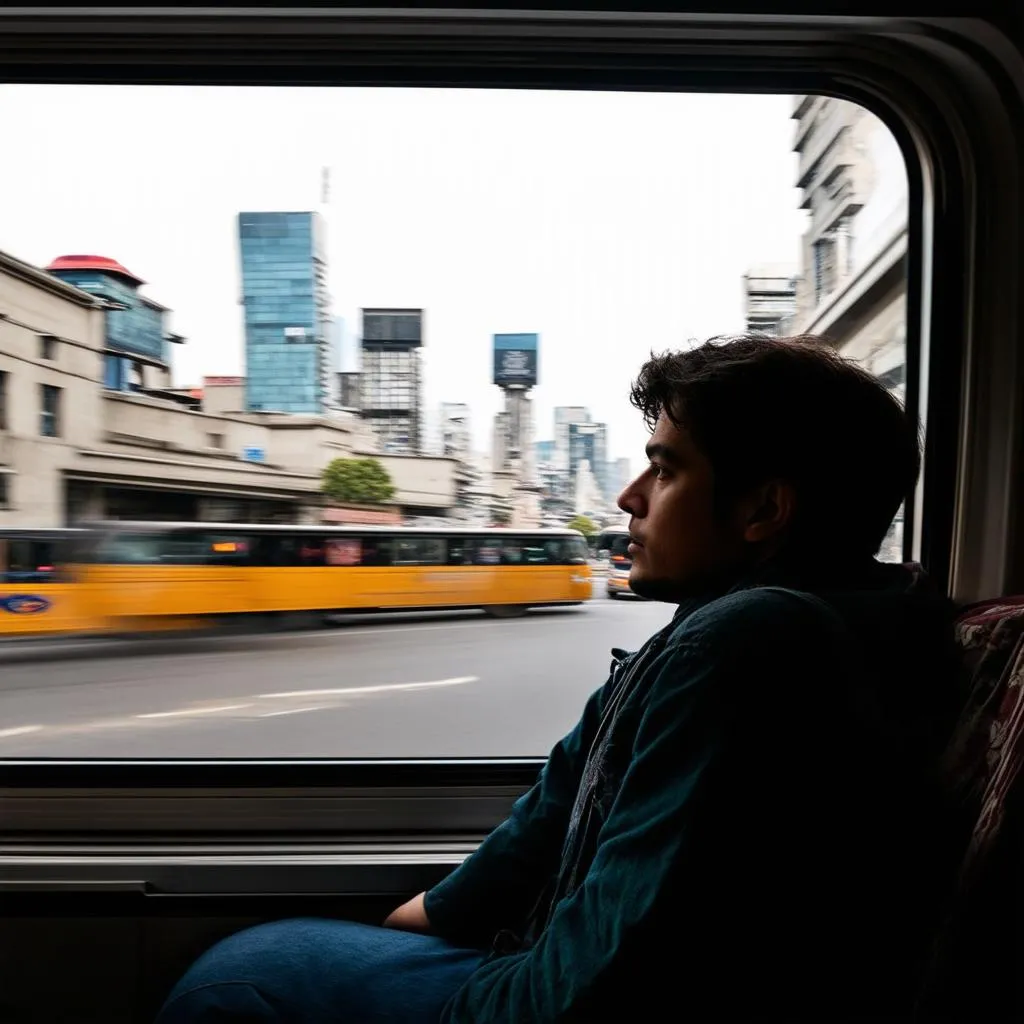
[316, 971]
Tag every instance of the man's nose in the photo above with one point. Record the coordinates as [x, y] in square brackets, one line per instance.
[632, 501]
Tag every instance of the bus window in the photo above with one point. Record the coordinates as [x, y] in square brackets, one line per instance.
[344, 551]
[310, 552]
[618, 552]
[377, 551]
[221, 549]
[421, 551]
[578, 551]
[130, 549]
[32, 561]
[461, 550]
[488, 552]
[538, 552]
[512, 552]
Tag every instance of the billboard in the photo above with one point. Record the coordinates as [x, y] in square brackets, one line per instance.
[515, 359]
[398, 328]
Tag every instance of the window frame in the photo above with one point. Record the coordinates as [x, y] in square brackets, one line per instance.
[945, 89]
[51, 418]
[48, 347]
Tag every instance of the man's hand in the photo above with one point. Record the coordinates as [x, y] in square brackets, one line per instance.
[410, 917]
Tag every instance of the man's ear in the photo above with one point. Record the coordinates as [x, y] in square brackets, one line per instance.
[767, 511]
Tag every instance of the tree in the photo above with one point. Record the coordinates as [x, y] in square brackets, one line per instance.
[364, 481]
[585, 525]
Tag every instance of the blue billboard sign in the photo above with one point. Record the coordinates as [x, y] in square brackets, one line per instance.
[515, 359]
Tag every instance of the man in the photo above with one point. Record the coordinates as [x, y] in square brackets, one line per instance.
[743, 823]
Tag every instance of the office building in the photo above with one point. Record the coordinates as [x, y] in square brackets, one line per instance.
[391, 379]
[564, 416]
[288, 335]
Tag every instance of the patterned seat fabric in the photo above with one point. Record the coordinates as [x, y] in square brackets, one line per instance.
[972, 969]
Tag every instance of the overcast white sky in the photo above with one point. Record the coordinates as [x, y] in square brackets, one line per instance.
[609, 223]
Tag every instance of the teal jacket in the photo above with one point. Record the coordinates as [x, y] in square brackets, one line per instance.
[743, 823]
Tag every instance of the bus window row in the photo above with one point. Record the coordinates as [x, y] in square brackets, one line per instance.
[313, 550]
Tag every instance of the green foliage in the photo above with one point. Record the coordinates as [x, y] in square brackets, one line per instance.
[585, 525]
[363, 481]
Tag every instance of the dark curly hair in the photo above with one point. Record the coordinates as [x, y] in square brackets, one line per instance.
[764, 408]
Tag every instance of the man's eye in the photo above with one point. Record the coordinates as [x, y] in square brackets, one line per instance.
[659, 471]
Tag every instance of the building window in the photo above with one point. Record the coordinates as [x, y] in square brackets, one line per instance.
[824, 268]
[5, 491]
[49, 422]
[3, 399]
[215, 440]
[47, 346]
[114, 378]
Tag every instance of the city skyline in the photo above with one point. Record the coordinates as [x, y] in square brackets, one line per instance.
[610, 224]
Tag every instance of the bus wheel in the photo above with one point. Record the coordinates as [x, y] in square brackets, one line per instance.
[505, 611]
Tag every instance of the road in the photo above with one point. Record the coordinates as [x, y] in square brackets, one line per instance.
[410, 686]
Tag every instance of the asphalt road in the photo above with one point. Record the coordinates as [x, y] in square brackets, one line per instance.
[409, 686]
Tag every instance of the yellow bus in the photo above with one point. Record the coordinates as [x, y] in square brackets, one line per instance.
[137, 576]
[38, 593]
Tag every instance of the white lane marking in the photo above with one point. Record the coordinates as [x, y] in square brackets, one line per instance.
[292, 711]
[194, 711]
[19, 730]
[380, 688]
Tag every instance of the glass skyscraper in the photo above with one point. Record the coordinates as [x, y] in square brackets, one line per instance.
[287, 321]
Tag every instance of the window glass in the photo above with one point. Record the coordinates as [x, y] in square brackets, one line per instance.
[33, 561]
[488, 552]
[389, 394]
[420, 551]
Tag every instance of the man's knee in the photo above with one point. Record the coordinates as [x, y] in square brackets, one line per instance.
[263, 973]
[314, 970]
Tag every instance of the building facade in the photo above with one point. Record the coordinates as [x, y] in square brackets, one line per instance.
[290, 365]
[564, 416]
[137, 340]
[852, 289]
[588, 442]
[74, 450]
[769, 298]
[391, 378]
[456, 436]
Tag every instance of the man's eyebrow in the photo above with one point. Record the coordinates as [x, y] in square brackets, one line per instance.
[657, 450]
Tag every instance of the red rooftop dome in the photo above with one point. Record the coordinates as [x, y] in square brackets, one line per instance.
[103, 264]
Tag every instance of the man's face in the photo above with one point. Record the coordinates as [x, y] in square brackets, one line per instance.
[679, 544]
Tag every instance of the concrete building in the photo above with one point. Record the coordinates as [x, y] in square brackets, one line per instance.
[349, 391]
[391, 381]
[72, 449]
[854, 182]
[456, 442]
[564, 416]
[769, 297]
[853, 285]
[290, 362]
[456, 437]
[588, 442]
